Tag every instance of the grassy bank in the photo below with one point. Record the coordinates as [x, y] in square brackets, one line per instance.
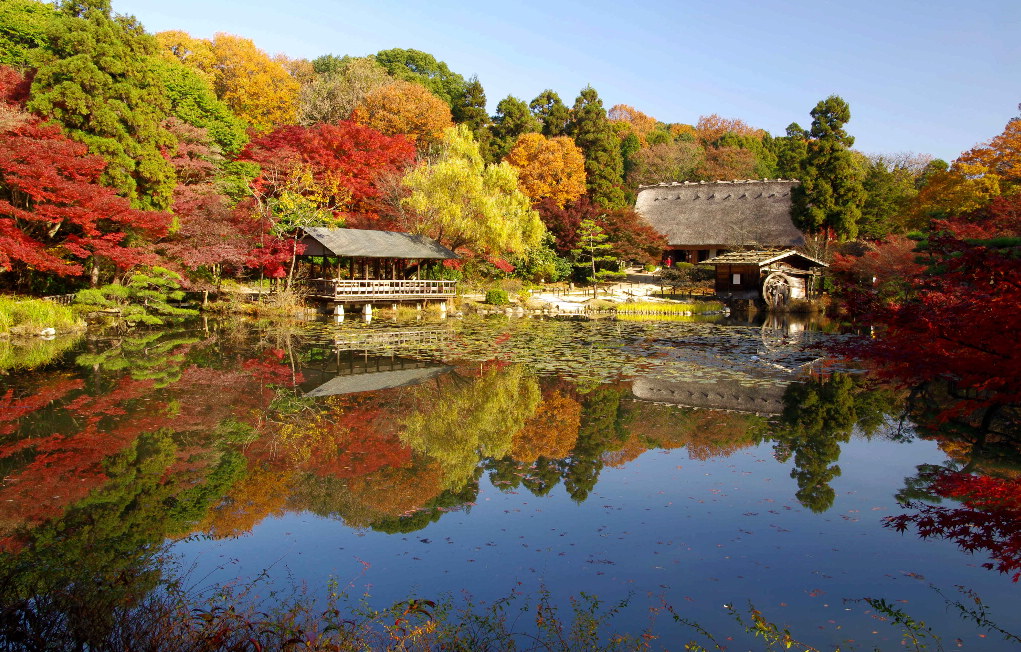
[27, 317]
[672, 308]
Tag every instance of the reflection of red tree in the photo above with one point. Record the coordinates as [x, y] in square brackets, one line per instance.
[271, 369]
[64, 468]
[355, 436]
[989, 517]
[12, 409]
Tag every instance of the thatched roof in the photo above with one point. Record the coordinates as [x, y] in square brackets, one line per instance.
[760, 398]
[724, 214]
[764, 257]
[363, 243]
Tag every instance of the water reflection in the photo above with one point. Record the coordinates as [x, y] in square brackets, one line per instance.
[141, 439]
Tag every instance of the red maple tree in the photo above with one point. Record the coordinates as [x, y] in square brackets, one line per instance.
[343, 155]
[988, 518]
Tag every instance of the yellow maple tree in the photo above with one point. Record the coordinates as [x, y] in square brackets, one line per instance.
[549, 168]
[632, 120]
[404, 108]
[254, 87]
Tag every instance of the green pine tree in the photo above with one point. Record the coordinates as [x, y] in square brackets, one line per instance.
[604, 163]
[830, 197]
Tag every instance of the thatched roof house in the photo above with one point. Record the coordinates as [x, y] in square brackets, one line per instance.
[704, 219]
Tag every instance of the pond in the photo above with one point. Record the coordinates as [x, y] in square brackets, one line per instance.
[694, 467]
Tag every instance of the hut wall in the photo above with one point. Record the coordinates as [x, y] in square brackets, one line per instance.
[737, 278]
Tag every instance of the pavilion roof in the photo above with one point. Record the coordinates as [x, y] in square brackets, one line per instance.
[365, 243]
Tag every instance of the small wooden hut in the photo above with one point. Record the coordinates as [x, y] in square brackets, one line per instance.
[773, 276]
[366, 267]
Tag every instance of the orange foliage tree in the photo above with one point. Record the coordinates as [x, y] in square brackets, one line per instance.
[637, 122]
[549, 168]
[710, 128]
[551, 432]
[1000, 156]
[256, 88]
[404, 108]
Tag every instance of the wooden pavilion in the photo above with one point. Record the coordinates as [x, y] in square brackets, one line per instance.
[359, 266]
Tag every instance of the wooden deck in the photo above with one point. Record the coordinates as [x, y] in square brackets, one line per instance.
[370, 291]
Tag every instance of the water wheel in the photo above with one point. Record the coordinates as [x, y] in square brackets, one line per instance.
[776, 290]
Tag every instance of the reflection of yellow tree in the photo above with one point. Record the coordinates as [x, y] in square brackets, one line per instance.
[469, 421]
[551, 432]
[385, 494]
[262, 493]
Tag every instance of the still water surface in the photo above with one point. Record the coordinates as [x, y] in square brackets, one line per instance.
[690, 463]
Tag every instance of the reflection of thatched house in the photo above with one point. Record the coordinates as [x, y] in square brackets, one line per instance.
[759, 398]
[705, 219]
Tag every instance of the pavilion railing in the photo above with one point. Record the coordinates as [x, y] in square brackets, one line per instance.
[369, 290]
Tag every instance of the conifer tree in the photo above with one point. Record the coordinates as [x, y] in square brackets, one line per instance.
[604, 163]
[512, 120]
[549, 110]
[830, 196]
[102, 88]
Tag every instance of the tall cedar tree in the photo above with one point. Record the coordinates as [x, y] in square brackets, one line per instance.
[102, 87]
[830, 196]
[594, 134]
[512, 119]
[551, 112]
[470, 110]
[55, 216]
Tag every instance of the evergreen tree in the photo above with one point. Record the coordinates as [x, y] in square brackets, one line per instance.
[594, 252]
[790, 151]
[594, 134]
[470, 110]
[831, 195]
[549, 110]
[102, 87]
[512, 119]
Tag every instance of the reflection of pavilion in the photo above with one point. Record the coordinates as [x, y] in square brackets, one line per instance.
[759, 398]
[348, 372]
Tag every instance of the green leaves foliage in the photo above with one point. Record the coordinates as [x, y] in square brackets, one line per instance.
[145, 299]
[831, 194]
[103, 88]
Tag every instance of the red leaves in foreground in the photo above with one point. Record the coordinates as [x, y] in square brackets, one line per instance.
[988, 519]
[53, 211]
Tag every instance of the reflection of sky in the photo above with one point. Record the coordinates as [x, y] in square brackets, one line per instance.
[699, 534]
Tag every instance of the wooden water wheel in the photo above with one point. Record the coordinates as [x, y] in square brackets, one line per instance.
[776, 290]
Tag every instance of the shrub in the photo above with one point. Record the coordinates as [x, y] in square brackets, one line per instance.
[497, 297]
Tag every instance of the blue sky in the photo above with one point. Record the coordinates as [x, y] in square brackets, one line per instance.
[933, 77]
